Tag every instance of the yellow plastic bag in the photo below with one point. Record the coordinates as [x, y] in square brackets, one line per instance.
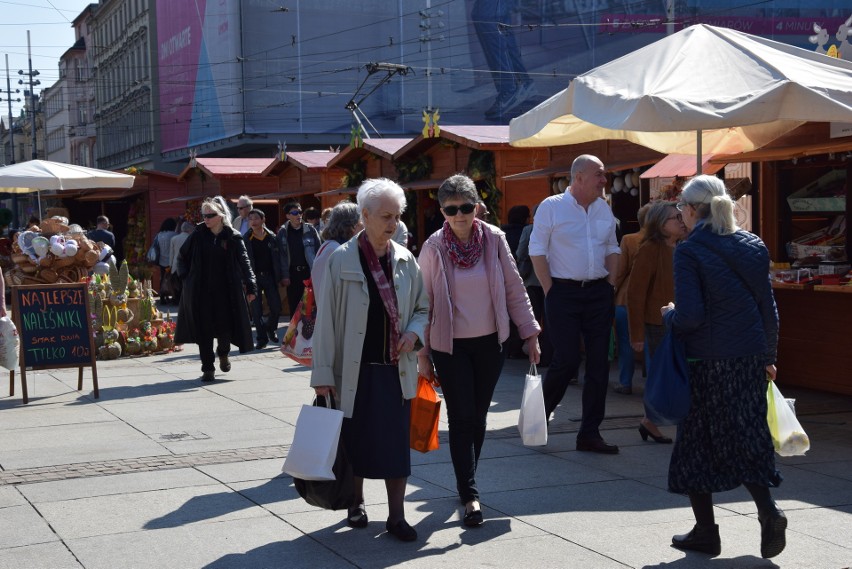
[788, 436]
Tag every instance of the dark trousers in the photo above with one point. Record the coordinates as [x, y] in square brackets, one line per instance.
[219, 331]
[296, 288]
[574, 312]
[266, 285]
[468, 377]
[536, 294]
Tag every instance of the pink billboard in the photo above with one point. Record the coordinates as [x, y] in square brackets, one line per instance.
[197, 56]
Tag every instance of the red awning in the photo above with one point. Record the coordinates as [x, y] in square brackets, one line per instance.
[681, 166]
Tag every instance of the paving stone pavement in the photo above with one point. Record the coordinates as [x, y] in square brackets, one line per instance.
[166, 471]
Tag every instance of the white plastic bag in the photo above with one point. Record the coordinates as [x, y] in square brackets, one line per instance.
[315, 441]
[788, 436]
[532, 422]
[9, 344]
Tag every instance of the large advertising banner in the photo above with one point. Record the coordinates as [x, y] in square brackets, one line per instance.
[304, 65]
[199, 68]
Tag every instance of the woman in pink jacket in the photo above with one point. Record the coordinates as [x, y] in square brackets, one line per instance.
[474, 289]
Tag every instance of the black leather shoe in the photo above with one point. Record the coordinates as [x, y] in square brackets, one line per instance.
[224, 363]
[208, 376]
[260, 345]
[357, 516]
[473, 519]
[401, 530]
[772, 534]
[273, 337]
[702, 538]
[596, 445]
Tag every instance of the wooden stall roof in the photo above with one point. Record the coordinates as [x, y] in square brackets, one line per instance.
[382, 147]
[106, 195]
[479, 137]
[310, 160]
[229, 167]
[182, 199]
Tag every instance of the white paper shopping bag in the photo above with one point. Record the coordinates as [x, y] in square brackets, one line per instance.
[314, 448]
[532, 422]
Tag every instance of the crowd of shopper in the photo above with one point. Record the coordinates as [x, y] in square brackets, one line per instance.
[561, 285]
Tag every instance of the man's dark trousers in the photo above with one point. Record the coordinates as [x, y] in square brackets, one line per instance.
[573, 312]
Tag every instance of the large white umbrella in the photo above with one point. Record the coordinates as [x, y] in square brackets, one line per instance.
[703, 90]
[37, 175]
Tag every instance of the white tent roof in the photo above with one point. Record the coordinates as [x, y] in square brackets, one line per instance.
[741, 91]
[46, 175]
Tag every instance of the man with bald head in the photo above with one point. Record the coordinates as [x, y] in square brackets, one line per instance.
[574, 253]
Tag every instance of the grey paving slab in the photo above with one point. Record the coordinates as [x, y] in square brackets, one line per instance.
[156, 509]
[84, 442]
[442, 542]
[53, 415]
[53, 555]
[118, 484]
[252, 470]
[204, 403]
[211, 423]
[233, 439]
[255, 542]
[839, 469]
[832, 525]
[22, 525]
[10, 496]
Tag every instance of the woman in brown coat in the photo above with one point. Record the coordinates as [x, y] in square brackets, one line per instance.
[651, 285]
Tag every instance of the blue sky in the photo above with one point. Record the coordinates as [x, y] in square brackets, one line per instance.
[51, 34]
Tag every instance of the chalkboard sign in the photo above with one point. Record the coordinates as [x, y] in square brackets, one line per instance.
[54, 328]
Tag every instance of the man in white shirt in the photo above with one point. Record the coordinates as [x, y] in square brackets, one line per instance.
[574, 253]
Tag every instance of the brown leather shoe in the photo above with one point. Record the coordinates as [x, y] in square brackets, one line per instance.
[596, 445]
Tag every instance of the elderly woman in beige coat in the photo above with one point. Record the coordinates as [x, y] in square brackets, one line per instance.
[372, 322]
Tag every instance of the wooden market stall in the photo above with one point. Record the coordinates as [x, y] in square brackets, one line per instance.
[299, 176]
[619, 157]
[372, 158]
[481, 152]
[803, 182]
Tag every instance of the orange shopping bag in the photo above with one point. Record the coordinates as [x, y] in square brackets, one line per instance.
[425, 412]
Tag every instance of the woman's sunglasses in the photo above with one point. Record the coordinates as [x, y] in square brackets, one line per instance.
[209, 215]
[466, 208]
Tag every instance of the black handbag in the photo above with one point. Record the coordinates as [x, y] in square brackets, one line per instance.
[337, 494]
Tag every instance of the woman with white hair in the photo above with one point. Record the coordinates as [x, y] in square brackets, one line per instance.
[343, 224]
[371, 323]
[725, 312]
[218, 286]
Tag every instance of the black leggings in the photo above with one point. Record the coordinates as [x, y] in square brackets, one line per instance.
[702, 504]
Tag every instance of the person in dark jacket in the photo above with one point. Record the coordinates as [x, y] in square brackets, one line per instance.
[218, 283]
[725, 312]
[265, 261]
[517, 217]
[298, 244]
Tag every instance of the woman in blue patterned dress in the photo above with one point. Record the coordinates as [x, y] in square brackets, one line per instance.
[725, 312]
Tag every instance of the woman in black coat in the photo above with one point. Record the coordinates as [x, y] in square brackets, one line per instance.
[218, 286]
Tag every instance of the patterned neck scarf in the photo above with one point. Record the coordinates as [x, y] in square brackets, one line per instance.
[386, 291]
[464, 255]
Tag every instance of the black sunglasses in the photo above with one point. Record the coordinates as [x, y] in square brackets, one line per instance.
[209, 215]
[295, 212]
[465, 208]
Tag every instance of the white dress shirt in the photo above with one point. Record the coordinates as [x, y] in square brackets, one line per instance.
[576, 242]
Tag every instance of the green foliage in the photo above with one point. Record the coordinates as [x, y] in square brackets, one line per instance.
[415, 169]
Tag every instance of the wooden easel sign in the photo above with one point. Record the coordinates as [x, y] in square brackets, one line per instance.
[55, 330]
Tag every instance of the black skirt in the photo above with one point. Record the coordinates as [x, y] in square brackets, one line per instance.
[725, 440]
[376, 438]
